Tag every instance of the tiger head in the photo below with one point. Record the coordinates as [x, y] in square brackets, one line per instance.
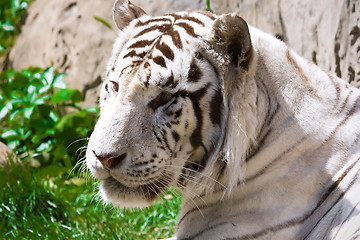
[165, 101]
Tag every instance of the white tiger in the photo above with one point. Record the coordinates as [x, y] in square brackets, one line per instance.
[262, 143]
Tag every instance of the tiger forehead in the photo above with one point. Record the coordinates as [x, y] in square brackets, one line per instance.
[155, 43]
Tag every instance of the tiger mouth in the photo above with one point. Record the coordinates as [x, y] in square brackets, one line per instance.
[149, 192]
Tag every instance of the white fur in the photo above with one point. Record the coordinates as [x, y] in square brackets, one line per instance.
[290, 140]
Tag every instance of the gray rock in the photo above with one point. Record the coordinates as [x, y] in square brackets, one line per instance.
[65, 33]
[7, 156]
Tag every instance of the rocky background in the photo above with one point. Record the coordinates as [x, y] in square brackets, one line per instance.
[67, 35]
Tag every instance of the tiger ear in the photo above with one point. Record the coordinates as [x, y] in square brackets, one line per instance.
[231, 34]
[124, 12]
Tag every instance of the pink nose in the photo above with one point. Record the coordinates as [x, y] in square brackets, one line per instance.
[110, 161]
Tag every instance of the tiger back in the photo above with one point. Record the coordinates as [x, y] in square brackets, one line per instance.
[261, 142]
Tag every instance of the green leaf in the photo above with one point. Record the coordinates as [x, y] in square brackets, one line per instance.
[31, 89]
[26, 135]
[92, 110]
[13, 114]
[35, 71]
[70, 123]
[41, 123]
[41, 100]
[58, 81]
[49, 75]
[44, 88]
[23, 5]
[3, 112]
[18, 80]
[9, 133]
[44, 111]
[38, 138]
[44, 146]
[7, 26]
[51, 170]
[16, 100]
[28, 111]
[13, 144]
[53, 116]
[103, 21]
[64, 95]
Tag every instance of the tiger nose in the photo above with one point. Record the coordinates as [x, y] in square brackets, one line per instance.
[110, 161]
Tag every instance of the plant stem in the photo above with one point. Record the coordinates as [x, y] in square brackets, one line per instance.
[208, 6]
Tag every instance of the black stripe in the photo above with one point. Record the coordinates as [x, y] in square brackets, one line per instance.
[331, 189]
[171, 83]
[208, 14]
[175, 136]
[216, 108]
[160, 61]
[349, 114]
[297, 220]
[175, 37]
[194, 73]
[130, 54]
[178, 112]
[346, 219]
[134, 54]
[343, 105]
[156, 136]
[337, 88]
[165, 140]
[166, 50]
[195, 97]
[193, 19]
[265, 131]
[277, 159]
[147, 82]
[141, 43]
[161, 28]
[151, 21]
[188, 28]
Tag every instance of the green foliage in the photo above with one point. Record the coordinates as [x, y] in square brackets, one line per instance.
[32, 207]
[35, 118]
[208, 8]
[103, 21]
[11, 14]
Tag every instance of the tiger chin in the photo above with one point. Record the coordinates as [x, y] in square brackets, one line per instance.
[261, 142]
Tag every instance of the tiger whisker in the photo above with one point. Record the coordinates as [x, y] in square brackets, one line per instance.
[192, 179]
[194, 195]
[75, 141]
[201, 174]
[190, 195]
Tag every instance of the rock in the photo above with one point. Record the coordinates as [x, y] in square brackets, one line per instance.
[7, 155]
[326, 32]
[65, 33]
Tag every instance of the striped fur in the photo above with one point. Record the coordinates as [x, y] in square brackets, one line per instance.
[262, 143]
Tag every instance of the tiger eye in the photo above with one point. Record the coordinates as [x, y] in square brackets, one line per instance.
[114, 86]
[160, 100]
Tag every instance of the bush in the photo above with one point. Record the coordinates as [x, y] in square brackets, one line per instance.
[11, 14]
[40, 117]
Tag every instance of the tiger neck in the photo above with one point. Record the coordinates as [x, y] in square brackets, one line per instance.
[274, 141]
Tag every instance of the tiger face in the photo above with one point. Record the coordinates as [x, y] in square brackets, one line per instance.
[162, 105]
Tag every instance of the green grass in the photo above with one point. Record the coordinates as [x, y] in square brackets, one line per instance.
[66, 208]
